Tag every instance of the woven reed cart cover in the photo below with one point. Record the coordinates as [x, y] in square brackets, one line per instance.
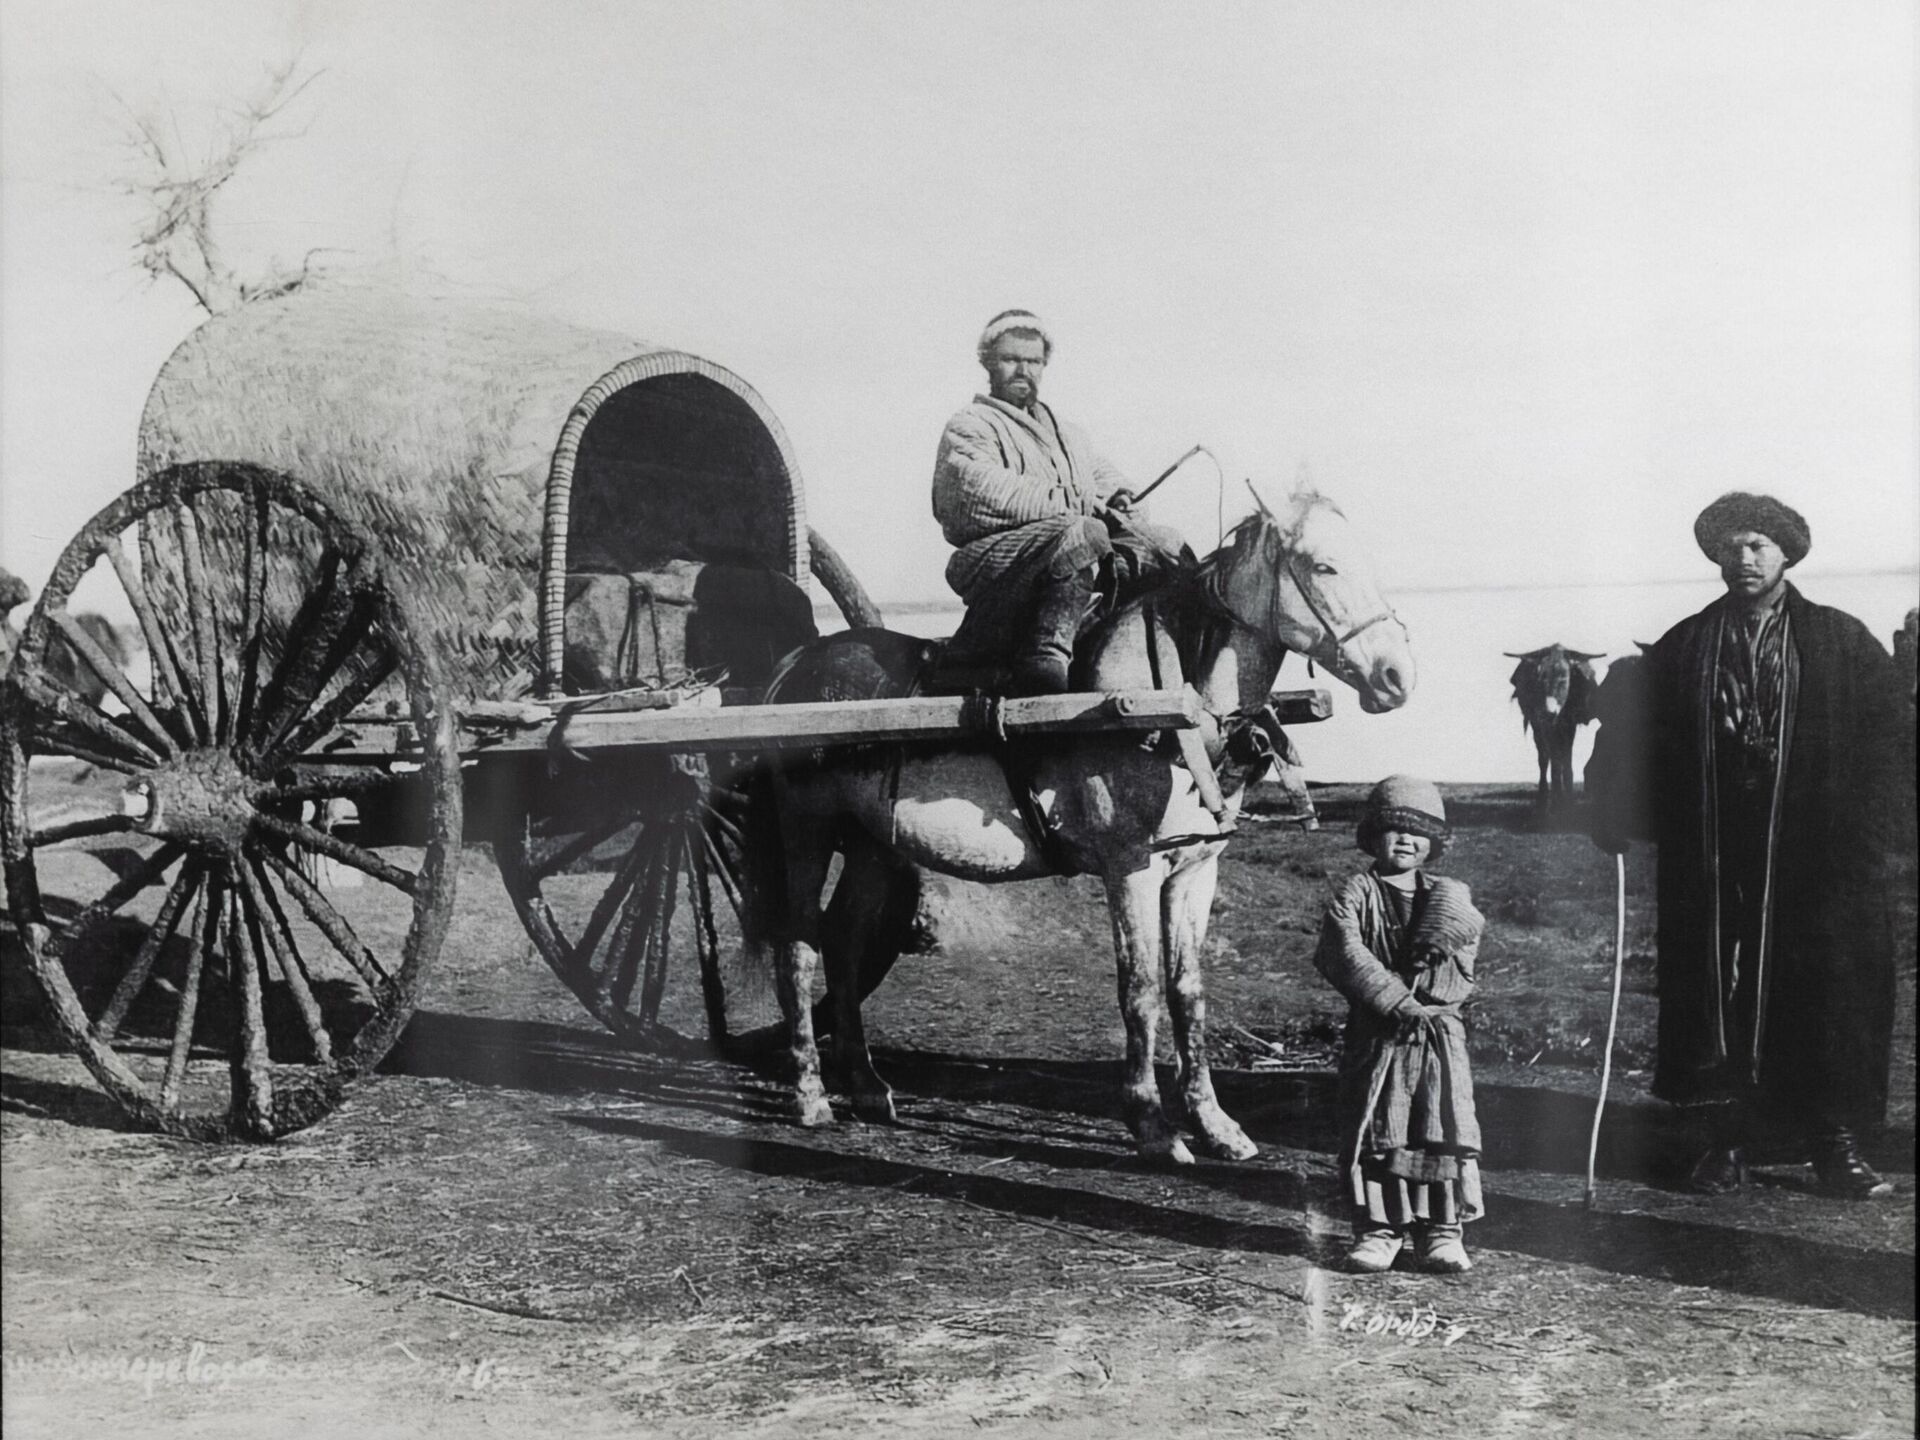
[356, 502]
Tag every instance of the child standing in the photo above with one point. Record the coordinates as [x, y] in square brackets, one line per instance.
[1400, 945]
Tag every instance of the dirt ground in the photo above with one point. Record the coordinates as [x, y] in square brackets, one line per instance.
[518, 1226]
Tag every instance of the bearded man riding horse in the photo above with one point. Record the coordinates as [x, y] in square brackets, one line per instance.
[1042, 520]
[1145, 820]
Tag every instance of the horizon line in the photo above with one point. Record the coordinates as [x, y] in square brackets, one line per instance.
[1890, 572]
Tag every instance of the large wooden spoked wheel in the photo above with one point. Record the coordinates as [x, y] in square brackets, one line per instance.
[625, 863]
[612, 885]
[223, 964]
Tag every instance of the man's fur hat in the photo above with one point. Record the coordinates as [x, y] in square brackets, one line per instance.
[1737, 512]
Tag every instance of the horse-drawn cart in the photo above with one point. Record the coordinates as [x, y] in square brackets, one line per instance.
[410, 574]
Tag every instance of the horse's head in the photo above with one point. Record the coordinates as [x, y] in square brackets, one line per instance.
[1302, 579]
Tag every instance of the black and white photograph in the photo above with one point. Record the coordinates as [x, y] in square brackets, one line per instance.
[807, 718]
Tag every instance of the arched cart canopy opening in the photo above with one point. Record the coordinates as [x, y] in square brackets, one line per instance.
[492, 454]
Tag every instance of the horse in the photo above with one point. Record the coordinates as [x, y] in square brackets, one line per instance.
[1555, 688]
[1295, 581]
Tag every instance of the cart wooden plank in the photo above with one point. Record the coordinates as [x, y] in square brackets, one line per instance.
[785, 727]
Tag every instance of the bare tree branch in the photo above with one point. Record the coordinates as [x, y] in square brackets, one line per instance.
[178, 238]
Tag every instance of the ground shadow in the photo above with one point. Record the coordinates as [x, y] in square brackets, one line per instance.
[82, 1106]
[1026, 1199]
[1532, 1129]
[1766, 1266]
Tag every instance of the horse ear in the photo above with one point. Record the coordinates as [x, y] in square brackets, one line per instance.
[1258, 499]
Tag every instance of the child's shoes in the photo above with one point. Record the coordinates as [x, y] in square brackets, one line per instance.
[1375, 1251]
[1441, 1251]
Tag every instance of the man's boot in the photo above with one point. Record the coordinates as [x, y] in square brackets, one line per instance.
[1841, 1171]
[1042, 661]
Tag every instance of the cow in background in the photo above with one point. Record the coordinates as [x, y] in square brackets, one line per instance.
[1556, 690]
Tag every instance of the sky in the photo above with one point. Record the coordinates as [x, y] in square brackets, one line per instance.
[1523, 285]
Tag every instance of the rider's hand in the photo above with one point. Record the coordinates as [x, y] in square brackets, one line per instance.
[1120, 501]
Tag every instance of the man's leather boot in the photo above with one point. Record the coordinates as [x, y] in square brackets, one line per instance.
[1841, 1171]
[1044, 658]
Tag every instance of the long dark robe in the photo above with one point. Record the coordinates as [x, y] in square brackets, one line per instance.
[1811, 1039]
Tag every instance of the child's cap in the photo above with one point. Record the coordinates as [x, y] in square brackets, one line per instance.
[1405, 802]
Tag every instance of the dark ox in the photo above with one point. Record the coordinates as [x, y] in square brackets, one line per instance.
[1556, 689]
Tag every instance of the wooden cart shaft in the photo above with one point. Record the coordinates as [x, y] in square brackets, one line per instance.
[595, 726]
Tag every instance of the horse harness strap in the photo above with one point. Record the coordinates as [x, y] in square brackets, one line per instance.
[1191, 743]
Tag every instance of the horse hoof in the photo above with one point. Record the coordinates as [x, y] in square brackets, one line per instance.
[1173, 1151]
[1233, 1147]
[816, 1113]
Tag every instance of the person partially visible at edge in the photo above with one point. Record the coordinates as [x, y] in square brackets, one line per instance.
[1043, 522]
[1767, 765]
[13, 594]
[1401, 945]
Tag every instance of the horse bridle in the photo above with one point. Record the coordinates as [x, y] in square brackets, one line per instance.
[1342, 664]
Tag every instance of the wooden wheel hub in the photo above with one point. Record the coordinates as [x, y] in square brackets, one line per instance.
[202, 799]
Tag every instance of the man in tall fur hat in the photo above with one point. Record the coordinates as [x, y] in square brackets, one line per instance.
[1043, 521]
[1768, 775]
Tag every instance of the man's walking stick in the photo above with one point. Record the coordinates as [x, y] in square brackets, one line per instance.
[1613, 1012]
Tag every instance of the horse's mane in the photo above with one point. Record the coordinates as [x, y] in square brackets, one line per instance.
[1187, 601]
[1250, 528]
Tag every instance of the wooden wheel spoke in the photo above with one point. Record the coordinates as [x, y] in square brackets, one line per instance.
[729, 882]
[256, 515]
[206, 636]
[580, 845]
[335, 782]
[661, 931]
[160, 654]
[55, 743]
[252, 1064]
[366, 680]
[185, 886]
[720, 821]
[275, 708]
[160, 560]
[338, 633]
[625, 878]
[270, 925]
[706, 939]
[76, 711]
[330, 923]
[624, 957]
[311, 838]
[115, 679]
[82, 829]
[136, 880]
[207, 907]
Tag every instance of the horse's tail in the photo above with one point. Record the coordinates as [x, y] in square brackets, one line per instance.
[763, 871]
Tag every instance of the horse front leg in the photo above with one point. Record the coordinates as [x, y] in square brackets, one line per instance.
[1185, 903]
[1133, 901]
